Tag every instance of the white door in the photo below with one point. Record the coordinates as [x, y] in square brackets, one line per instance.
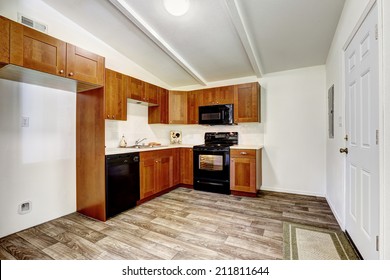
[362, 123]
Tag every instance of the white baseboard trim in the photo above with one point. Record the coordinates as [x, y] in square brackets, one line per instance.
[335, 213]
[273, 189]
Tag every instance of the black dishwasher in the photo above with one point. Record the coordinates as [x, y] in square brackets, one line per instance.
[122, 182]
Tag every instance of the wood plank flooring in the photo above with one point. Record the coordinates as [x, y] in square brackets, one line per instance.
[182, 224]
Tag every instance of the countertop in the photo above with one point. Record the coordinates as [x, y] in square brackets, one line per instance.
[115, 151]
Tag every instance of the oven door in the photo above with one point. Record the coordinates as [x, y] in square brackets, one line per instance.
[212, 171]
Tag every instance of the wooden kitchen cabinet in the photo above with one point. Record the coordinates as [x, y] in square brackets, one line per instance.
[193, 107]
[35, 50]
[186, 166]
[245, 171]
[4, 40]
[219, 95]
[38, 51]
[247, 103]
[177, 107]
[151, 93]
[176, 166]
[84, 66]
[156, 172]
[135, 89]
[159, 113]
[115, 96]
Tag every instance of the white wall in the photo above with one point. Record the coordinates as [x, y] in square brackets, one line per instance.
[334, 68]
[137, 127]
[38, 162]
[294, 131]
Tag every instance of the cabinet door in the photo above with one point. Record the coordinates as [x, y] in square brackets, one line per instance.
[4, 40]
[176, 166]
[35, 50]
[192, 107]
[243, 170]
[151, 93]
[177, 107]
[159, 113]
[84, 66]
[225, 95]
[209, 96]
[115, 96]
[136, 89]
[165, 171]
[148, 174]
[186, 166]
[247, 103]
[243, 174]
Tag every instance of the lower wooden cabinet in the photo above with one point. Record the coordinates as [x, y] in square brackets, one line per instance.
[156, 172]
[186, 166]
[245, 171]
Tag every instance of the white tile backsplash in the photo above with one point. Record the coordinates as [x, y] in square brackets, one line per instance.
[137, 127]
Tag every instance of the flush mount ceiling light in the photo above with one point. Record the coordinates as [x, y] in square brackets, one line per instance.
[177, 7]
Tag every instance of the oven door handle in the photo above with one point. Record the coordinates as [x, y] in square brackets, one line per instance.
[209, 183]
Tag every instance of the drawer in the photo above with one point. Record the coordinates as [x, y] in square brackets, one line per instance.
[243, 153]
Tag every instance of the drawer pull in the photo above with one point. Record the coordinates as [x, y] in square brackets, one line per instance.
[243, 153]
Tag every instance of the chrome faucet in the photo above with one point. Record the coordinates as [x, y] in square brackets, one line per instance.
[138, 142]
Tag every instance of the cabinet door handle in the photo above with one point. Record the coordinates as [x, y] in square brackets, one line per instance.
[70, 74]
[61, 71]
[243, 153]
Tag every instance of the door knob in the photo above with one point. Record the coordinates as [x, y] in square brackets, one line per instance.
[344, 150]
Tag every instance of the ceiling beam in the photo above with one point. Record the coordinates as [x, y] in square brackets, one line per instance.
[242, 31]
[136, 19]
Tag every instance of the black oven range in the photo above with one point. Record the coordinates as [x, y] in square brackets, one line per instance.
[212, 162]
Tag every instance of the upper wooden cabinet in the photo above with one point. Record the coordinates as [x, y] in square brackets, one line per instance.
[192, 107]
[84, 66]
[247, 103]
[159, 114]
[177, 107]
[4, 40]
[115, 96]
[135, 89]
[219, 95]
[30, 49]
[151, 93]
[35, 50]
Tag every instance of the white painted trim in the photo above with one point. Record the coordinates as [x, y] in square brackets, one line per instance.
[382, 98]
[287, 190]
[339, 220]
[136, 19]
[243, 33]
[359, 23]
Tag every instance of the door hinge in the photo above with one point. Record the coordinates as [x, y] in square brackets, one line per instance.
[377, 137]
[377, 243]
[376, 32]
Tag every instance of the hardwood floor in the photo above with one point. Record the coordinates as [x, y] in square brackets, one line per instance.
[182, 224]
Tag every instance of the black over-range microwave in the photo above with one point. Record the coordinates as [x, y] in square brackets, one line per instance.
[216, 114]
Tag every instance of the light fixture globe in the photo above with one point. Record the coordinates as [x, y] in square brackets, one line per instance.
[177, 7]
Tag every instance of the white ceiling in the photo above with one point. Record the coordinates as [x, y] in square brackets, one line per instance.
[216, 39]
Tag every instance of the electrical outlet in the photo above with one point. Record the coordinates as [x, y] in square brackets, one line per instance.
[25, 121]
[25, 207]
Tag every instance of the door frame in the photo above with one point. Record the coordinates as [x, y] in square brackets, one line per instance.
[382, 199]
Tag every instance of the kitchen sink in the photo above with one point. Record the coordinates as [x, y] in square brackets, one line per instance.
[144, 146]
